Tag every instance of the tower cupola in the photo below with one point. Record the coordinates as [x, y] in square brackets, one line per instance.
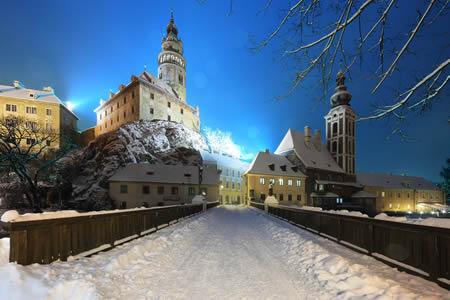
[341, 96]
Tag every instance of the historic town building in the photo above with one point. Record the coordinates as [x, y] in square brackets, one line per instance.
[328, 170]
[232, 189]
[399, 193]
[148, 185]
[274, 175]
[147, 97]
[40, 109]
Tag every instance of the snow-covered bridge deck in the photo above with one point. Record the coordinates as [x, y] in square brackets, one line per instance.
[230, 253]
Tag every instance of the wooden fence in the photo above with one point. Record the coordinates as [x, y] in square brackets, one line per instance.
[44, 241]
[423, 250]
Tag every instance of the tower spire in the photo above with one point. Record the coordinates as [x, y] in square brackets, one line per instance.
[341, 96]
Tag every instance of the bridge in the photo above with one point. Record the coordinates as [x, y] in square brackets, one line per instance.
[226, 253]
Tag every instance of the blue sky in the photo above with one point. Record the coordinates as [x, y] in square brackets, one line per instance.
[85, 48]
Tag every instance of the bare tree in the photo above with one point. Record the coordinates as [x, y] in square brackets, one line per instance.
[331, 48]
[28, 150]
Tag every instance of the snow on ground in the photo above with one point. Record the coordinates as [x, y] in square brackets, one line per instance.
[226, 253]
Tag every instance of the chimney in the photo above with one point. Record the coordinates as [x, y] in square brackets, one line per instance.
[111, 94]
[307, 134]
[317, 140]
[48, 89]
[18, 84]
[267, 151]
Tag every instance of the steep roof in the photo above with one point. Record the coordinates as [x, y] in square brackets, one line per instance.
[160, 173]
[24, 93]
[394, 181]
[224, 160]
[266, 163]
[149, 78]
[308, 153]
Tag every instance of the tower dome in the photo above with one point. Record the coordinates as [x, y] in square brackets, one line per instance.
[172, 30]
[341, 96]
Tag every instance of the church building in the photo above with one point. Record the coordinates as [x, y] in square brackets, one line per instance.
[328, 170]
[147, 97]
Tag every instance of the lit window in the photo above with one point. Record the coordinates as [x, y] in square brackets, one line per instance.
[383, 194]
[262, 180]
[321, 187]
[290, 182]
[299, 183]
[280, 181]
[390, 205]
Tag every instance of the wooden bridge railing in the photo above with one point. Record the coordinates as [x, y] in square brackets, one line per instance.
[423, 250]
[44, 241]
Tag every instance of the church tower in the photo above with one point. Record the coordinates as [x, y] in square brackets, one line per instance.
[340, 127]
[171, 63]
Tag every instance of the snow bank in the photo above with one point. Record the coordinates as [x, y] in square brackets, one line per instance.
[4, 251]
[338, 212]
[434, 222]
[14, 216]
[9, 215]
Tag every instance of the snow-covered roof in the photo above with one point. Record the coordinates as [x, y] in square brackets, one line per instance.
[308, 153]
[161, 173]
[149, 79]
[24, 93]
[266, 163]
[394, 181]
[224, 160]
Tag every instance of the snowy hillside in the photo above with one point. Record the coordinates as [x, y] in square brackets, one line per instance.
[143, 141]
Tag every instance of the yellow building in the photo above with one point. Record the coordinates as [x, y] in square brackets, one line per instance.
[272, 173]
[398, 193]
[39, 108]
[231, 169]
[148, 97]
[148, 185]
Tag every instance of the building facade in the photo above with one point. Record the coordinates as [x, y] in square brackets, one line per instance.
[147, 97]
[399, 193]
[331, 181]
[148, 185]
[231, 169]
[274, 175]
[39, 109]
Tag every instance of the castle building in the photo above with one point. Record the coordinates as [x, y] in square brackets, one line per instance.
[40, 109]
[147, 97]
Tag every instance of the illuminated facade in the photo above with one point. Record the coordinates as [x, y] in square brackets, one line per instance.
[148, 97]
[398, 193]
[231, 169]
[39, 108]
[272, 174]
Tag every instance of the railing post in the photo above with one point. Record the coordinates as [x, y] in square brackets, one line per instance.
[371, 241]
[435, 254]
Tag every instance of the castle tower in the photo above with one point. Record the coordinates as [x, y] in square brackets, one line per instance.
[171, 63]
[340, 127]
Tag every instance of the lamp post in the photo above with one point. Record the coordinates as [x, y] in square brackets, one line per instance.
[200, 177]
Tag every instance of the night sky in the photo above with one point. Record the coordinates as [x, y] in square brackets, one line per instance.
[83, 49]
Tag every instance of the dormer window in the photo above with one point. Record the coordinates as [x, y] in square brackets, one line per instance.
[272, 167]
[283, 168]
[150, 172]
[295, 169]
